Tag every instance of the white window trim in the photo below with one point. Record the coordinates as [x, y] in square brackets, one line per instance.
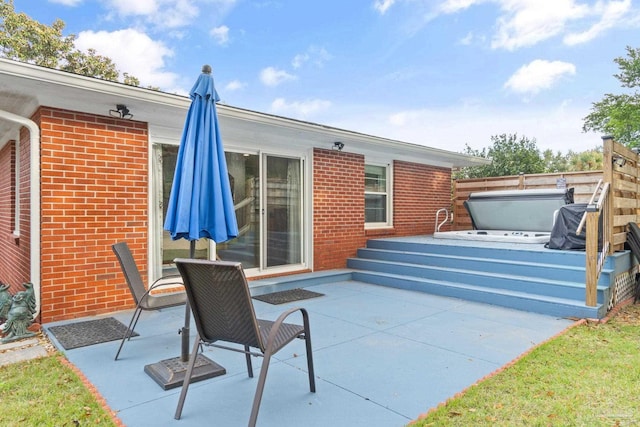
[389, 223]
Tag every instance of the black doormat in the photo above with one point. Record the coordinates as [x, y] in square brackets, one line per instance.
[81, 334]
[284, 297]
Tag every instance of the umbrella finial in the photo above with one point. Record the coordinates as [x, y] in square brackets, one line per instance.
[206, 69]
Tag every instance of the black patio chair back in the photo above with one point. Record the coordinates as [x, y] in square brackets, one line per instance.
[220, 300]
[142, 297]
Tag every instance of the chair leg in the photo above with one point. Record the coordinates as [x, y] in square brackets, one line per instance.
[248, 357]
[129, 331]
[135, 323]
[307, 341]
[187, 378]
[260, 388]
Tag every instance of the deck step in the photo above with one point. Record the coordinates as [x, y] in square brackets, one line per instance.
[524, 277]
[489, 279]
[553, 306]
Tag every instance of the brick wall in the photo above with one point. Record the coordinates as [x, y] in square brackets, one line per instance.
[338, 207]
[419, 191]
[338, 204]
[94, 193]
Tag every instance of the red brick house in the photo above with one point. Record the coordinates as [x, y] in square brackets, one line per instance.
[75, 177]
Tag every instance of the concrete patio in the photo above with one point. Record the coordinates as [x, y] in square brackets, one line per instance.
[382, 356]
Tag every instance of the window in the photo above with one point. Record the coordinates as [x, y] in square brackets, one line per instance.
[377, 196]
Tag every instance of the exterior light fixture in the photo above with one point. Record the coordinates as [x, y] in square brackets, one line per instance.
[338, 145]
[618, 161]
[122, 112]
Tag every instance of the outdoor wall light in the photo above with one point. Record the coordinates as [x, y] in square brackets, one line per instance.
[618, 161]
[338, 145]
[122, 112]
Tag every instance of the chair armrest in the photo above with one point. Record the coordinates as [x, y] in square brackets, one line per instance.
[174, 279]
[280, 320]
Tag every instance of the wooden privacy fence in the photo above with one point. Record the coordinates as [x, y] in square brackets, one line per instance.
[616, 208]
[583, 183]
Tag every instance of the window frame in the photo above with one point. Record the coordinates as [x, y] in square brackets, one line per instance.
[388, 193]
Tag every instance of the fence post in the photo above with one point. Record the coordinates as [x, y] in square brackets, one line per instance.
[593, 217]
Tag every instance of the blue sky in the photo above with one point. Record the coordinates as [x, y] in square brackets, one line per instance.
[441, 73]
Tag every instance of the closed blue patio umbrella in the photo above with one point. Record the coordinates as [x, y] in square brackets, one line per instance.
[201, 202]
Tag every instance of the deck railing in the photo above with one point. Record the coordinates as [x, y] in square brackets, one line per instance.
[595, 255]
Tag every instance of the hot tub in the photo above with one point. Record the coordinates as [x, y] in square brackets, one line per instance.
[506, 236]
[514, 216]
[517, 210]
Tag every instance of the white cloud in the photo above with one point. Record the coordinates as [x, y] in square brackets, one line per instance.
[315, 55]
[528, 22]
[164, 13]
[133, 52]
[466, 40]
[611, 14]
[538, 75]
[66, 2]
[220, 34]
[299, 59]
[383, 5]
[271, 76]
[300, 110]
[453, 6]
[523, 23]
[138, 7]
[235, 85]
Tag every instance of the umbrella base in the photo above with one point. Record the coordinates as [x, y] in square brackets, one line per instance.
[170, 373]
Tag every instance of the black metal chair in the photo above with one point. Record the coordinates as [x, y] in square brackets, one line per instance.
[222, 309]
[142, 297]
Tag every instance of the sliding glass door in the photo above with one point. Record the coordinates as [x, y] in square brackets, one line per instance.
[268, 198]
[283, 208]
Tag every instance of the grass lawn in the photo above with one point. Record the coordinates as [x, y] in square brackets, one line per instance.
[589, 376]
[47, 392]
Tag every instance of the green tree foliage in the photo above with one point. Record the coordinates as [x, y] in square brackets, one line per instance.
[619, 115]
[27, 40]
[510, 155]
[557, 162]
[590, 160]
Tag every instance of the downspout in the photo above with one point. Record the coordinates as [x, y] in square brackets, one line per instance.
[34, 184]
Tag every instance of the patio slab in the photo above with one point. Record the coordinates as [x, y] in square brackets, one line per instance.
[382, 356]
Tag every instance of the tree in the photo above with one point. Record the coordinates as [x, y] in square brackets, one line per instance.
[27, 40]
[509, 156]
[590, 160]
[557, 162]
[619, 115]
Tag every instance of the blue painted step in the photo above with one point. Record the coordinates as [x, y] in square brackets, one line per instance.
[552, 306]
[485, 263]
[493, 279]
[524, 277]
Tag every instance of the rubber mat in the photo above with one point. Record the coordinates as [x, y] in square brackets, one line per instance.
[90, 332]
[290, 295]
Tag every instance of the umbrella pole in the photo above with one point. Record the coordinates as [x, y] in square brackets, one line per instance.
[184, 356]
[170, 373]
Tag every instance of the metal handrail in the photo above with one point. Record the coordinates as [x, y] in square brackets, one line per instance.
[446, 218]
[591, 201]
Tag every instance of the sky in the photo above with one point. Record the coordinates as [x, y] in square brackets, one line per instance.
[441, 73]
